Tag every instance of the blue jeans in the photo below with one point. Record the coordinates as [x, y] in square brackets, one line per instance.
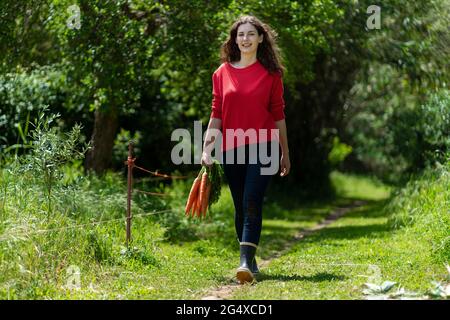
[247, 186]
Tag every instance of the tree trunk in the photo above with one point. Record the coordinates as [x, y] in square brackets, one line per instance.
[99, 157]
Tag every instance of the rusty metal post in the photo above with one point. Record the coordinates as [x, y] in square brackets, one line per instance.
[130, 163]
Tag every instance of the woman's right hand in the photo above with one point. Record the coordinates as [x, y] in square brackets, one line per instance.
[206, 160]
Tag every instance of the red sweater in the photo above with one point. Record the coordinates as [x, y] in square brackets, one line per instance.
[247, 98]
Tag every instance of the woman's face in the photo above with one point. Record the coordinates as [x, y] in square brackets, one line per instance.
[247, 38]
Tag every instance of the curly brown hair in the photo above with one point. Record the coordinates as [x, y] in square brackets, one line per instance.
[268, 53]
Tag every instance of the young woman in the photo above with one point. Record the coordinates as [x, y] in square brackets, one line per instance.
[248, 97]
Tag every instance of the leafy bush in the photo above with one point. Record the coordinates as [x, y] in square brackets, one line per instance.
[422, 135]
[22, 95]
[50, 150]
[395, 134]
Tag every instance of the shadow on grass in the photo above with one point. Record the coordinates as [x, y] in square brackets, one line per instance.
[288, 207]
[318, 277]
[350, 232]
[374, 230]
[372, 209]
[276, 237]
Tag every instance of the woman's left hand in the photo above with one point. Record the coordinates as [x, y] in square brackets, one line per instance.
[285, 165]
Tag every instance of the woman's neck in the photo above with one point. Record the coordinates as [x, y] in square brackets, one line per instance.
[246, 61]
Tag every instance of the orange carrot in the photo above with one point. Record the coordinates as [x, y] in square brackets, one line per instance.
[198, 206]
[202, 194]
[192, 195]
[206, 200]
[194, 206]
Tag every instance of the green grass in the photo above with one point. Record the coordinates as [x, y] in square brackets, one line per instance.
[423, 208]
[350, 186]
[177, 258]
[336, 262]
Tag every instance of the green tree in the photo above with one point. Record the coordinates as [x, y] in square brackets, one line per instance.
[392, 101]
[111, 56]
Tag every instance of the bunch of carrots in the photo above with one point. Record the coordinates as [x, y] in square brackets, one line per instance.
[205, 190]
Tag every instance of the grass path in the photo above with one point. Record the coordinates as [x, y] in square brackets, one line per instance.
[226, 291]
[336, 262]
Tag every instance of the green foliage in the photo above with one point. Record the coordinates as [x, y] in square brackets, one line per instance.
[50, 150]
[422, 206]
[98, 246]
[396, 133]
[414, 39]
[396, 112]
[26, 24]
[372, 104]
[120, 150]
[85, 230]
[112, 52]
[305, 30]
[339, 152]
[150, 64]
[23, 94]
[421, 135]
[140, 255]
[215, 176]
[190, 44]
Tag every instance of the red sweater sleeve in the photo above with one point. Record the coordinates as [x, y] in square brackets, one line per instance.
[217, 98]
[276, 99]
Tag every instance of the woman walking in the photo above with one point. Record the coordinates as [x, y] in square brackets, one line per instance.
[248, 99]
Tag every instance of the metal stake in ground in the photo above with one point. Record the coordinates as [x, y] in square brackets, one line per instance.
[130, 163]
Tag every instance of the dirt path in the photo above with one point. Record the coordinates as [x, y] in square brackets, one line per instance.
[225, 292]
